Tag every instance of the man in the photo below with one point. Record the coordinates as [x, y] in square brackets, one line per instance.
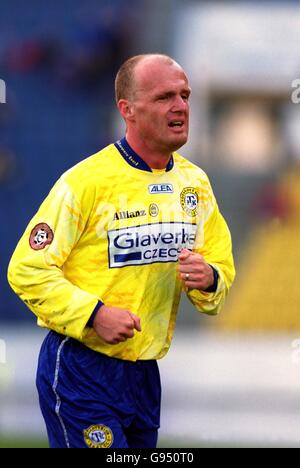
[103, 263]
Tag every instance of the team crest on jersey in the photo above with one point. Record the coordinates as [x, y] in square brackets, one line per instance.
[98, 436]
[153, 210]
[189, 200]
[41, 235]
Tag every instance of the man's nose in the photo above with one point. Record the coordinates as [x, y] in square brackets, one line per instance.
[179, 104]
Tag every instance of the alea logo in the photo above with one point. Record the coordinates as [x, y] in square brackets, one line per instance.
[160, 188]
[150, 243]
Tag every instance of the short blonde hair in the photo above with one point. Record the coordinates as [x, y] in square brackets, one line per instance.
[125, 82]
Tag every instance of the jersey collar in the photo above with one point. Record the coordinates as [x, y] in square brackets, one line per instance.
[134, 160]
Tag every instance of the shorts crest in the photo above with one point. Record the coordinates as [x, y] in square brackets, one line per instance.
[98, 436]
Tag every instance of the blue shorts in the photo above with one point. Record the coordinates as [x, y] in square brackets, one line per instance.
[91, 400]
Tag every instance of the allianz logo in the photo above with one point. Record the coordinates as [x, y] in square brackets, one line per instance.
[129, 214]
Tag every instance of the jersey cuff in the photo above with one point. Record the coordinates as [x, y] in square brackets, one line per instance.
[92, 317]
[214, 286]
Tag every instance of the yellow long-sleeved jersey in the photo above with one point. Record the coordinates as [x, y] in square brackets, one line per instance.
[110, 230]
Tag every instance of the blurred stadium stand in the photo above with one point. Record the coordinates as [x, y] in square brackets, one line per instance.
[242, 58]
[267, 295]
[60, 103]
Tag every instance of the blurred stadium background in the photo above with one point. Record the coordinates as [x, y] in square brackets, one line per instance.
[231, 380]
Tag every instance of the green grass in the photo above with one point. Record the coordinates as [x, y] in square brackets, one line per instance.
[23, 443]
[40, 443]
[163, 443]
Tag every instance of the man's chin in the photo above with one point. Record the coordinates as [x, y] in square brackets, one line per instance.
[177, 142]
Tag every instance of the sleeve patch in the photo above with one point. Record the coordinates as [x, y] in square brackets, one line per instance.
[41, 236]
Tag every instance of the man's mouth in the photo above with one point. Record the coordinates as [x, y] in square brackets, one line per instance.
[176, 124]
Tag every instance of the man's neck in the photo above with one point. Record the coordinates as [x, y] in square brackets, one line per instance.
[154, 159]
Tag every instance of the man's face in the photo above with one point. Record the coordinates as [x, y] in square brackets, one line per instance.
[161, 105]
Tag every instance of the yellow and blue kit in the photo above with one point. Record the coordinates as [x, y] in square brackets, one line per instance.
[110, 232]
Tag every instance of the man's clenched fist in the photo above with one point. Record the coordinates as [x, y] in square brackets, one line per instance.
[194, 271]
[114, 325]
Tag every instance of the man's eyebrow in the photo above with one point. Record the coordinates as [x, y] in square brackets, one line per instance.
[172, 93]
[166, 93]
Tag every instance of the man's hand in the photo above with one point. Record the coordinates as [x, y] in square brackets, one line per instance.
[194, 271]
[114, 325]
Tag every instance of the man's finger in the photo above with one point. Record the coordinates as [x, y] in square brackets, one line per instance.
[137, 322]
[192, 258]
[126, 335]
[189, 268]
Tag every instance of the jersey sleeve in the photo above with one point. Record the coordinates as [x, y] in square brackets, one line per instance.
[36, 273]
[215, 246]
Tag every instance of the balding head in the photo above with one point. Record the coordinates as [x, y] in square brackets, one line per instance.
[126, 79]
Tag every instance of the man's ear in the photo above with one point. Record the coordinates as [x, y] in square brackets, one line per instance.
[126, 109]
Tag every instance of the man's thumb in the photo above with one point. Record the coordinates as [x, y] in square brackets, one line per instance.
[184, 254]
